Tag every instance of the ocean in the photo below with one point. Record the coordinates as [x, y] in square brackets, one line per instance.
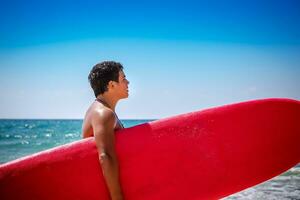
[19, 138]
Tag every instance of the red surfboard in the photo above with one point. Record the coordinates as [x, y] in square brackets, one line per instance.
[207, 154]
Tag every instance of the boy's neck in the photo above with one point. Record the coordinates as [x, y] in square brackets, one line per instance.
[109, 100]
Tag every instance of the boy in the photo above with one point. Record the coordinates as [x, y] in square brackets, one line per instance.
[109, 83]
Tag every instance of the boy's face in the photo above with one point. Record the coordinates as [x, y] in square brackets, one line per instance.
[121, 87]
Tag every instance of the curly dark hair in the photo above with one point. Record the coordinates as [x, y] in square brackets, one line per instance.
[102, 73]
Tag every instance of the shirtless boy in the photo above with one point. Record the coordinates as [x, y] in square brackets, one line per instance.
[109, 83]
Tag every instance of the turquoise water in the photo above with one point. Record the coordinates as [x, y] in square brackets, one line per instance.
[24, 137]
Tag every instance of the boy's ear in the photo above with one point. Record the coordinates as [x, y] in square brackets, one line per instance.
[110, 84]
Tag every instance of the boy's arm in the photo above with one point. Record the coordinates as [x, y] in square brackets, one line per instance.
[103, 127]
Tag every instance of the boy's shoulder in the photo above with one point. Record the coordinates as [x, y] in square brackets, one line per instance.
[102, 113]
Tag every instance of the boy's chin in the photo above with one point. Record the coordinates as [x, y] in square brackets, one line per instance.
[125, 96]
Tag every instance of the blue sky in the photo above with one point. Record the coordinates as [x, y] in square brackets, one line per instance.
[178, 56]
